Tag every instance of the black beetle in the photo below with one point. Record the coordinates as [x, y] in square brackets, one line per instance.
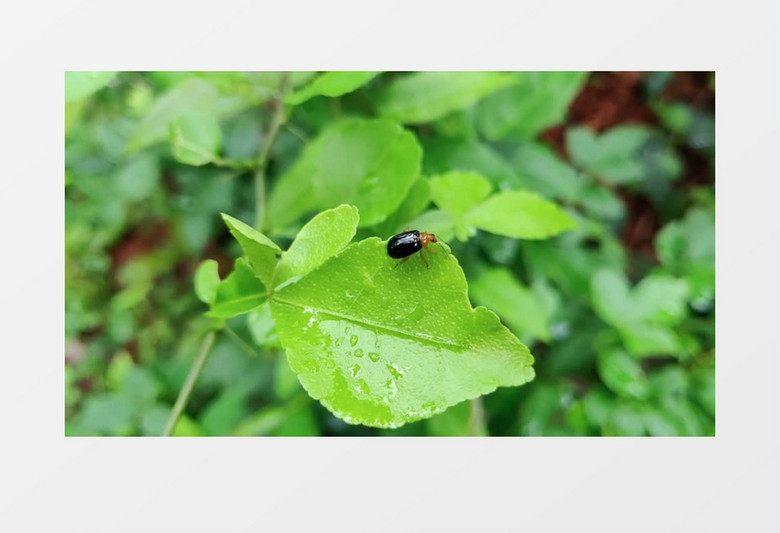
[405, 244]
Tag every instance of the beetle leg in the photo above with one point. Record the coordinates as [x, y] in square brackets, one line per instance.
[402, 261]
[423, 258]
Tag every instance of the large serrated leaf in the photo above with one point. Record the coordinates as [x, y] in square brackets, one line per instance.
[383, 344]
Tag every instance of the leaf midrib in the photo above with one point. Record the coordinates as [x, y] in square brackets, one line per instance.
[371, 324]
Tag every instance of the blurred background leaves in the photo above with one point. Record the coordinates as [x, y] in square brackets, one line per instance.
[618, 311]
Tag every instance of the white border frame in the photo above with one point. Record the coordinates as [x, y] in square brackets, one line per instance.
[725, 483]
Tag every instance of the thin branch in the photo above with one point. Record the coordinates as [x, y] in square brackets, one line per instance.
[277, 120]
[477, 418]
[240, 342]
[189, 384]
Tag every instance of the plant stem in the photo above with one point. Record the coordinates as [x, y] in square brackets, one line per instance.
[240, 342]
[262, 160]
[477, 418]
[184, 393]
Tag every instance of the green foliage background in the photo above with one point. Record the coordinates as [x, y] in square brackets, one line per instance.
[618, 310]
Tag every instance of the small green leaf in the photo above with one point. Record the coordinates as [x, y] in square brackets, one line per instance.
[195, 138]
[622, 374]
[370, 164]
[426, 96]
[187, 96]
[611, 297]
[537, 101]
[321, 238]
[624, 154]
[261, 326]
[520, 214]
[644, 339]
[378, 347]
[548, 174]
[259, 249]
[138, 178]
[80, 84]
[417, 199]
[331, 84]
[457, 192]
[435, 221]
[687, 248]
[516, 304]
[443, 155]
[207, 280]
[239, 293]
[661, 299]
[643, 316]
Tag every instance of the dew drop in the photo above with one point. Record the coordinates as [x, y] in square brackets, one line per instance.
[354, 370]
[353, 340]
[329, 363]
[359, 353]
[339, 341]
[363, 386]
[395, 370]
[373, 356]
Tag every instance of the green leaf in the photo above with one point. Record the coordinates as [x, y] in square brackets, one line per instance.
[520, 214]
[207, 280]
[548, 174]
[516, 304]
[262, 327]
[624, 154]
[457, 192]
[195, 138]
[443, 155]
[331, 84]
[80, 84]
[437, 222]
[259, 249]
[687, 248]
[73, 113]
[426, 96]
[661, 299]
[321, 238]
[644, 315]
[370, 164]
[239, 293]
[644, 339]
[189, 95]
[622, 374]
[611, 297]
[537, 101]
[656, 299]
[382, 346]
[138, 178]
[225, 411]
[417, 199]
